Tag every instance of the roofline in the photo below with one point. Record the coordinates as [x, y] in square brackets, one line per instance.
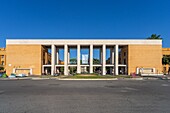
[165, 48]
[83, 41]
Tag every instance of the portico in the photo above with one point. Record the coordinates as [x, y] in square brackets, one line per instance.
[79, 64]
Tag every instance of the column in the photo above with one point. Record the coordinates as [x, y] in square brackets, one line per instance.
[112, 60]
[116, 59]
[101, 56]
[68, 56]
[154, 70]
[42, 72]
[78, 59]
[53, 51]
[57, 56]
[104, 60]
[46, 58]
[112, 56]
[126, 70]
[65, 60]
[91, 58]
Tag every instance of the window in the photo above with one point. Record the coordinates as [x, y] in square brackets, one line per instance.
[124, 61]
[2, 56]
[152, 70]
[2, 63]
[164, 69]
[124, 53]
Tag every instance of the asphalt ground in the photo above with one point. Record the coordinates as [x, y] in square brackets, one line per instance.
[54, 96]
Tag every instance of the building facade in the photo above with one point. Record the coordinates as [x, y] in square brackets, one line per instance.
[37, 57]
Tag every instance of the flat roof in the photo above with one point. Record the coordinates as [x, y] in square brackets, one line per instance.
[166, 49]
[83, 41]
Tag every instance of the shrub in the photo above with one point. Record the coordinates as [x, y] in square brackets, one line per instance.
[4, 75]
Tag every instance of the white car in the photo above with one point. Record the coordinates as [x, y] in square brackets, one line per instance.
[21, 75]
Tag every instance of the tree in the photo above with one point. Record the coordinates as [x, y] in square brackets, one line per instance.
[73, 61]
[1, 68]
[166, 60]
[73, 70]
[62, 70]
[155, 36]
[108, 61]
[96, 61]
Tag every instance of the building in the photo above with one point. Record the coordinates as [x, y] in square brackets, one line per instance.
[2, 58]
[166, 52]
[37, 57]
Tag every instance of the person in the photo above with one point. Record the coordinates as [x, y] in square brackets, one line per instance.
[169, 70]
[99, 71]
[113, 71]
[57, 71]
[69, 72]
[46, 72]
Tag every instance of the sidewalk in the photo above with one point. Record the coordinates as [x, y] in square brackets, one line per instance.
[87, 79]
[59, 78]
[55, 78]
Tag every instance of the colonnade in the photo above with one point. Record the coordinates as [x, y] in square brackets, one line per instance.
[114, 58]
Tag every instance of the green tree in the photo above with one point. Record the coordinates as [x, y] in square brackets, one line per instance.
[73, 61]
[62, 70]
[96, 61]
[108, 61]
[1, 68]
[155, 36]
[73, 70]
[166, 60]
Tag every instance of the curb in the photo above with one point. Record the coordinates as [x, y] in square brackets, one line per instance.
[8, 78]
[24, 78]
[40, 78]
[85, 79]
[100, 79]
[131, 78]
[15, 78]
[151, 79]
[168, 78]
[27, 78]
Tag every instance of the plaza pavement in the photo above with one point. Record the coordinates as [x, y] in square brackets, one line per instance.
[54, 96]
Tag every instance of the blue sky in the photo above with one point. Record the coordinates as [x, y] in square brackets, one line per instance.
[128, 19]
[73, 53]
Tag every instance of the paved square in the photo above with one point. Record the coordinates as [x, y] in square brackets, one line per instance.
[53, 96]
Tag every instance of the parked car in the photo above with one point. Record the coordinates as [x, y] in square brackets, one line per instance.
[1, 74]
[12, 75]
[56, 74]
[21, 75]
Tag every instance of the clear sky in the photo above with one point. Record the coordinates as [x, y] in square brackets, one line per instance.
[129, 19]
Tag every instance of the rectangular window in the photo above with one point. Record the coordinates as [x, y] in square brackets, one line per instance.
[2, 63]
[124, 53]
[124, 61]
[152, 70]
[164, 70]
